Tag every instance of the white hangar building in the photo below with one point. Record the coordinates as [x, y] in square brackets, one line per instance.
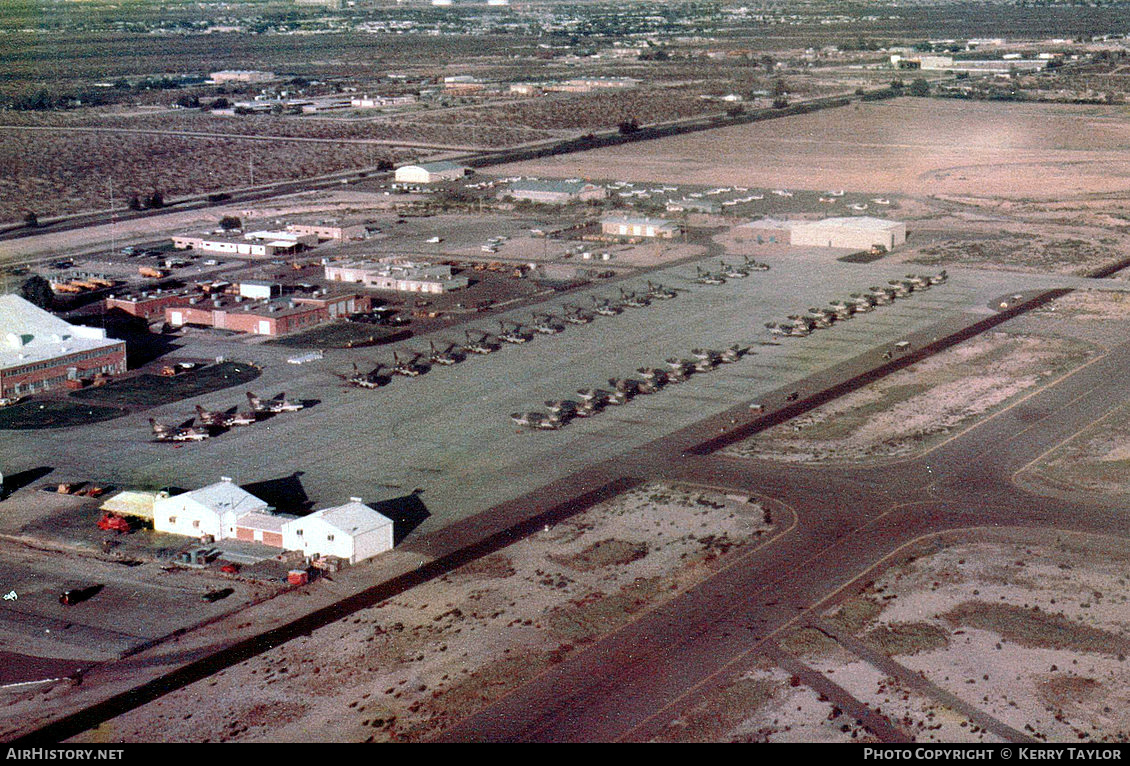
[429, 172]
[857, 233]
[353, 531]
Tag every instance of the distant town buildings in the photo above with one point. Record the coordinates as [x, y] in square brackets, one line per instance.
[328, 230]
[430, 172]
[397, 274]
[40, 352]
[375, 102]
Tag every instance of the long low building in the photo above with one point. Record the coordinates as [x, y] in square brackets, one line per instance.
[266, 317]
[635, 226]
[855, 232]
[397, 274]
[40, 352]
[256, 244]
[553, 192]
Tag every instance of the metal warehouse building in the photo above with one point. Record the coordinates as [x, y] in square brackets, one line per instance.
[858, 233]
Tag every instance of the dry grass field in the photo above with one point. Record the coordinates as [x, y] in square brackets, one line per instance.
[921, 147]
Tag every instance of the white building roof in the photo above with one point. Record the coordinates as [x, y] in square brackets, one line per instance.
[635, 220]
[354, 518]
[28, 334]
[437, 167]
[267, 522]
[224, 497]
[854, 223]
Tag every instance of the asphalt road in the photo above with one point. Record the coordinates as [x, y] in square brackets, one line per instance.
[630, 684]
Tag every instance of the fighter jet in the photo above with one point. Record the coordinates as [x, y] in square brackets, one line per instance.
[706, 278]
[606, 307]
[181, 433]
[753, 265]
[544, 324]
[733, 272]
[445, 358]
[371, 379]
[734, 353]
[937, 279]
[659, 292]
[537, 420]
[575, 315]
[480, 346]
[409, 369]
[273, 406]
[632, 300]
[214, 418]
[512, 335]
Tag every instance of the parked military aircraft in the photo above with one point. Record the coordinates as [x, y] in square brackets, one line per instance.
[606, 307]
[575, 315]
[706, 278]
[632, 300]
[538, 420]
[480, 346]
[182, 433]
[659, 292]
[445, 358]
[409, 369]
[214, 418]
[274, 405]
[733, 272]
[753, 265]
[734, 353]
[544, 324]
[514, 334]
[371, 379]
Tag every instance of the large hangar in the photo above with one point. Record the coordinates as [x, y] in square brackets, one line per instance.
[858, 233]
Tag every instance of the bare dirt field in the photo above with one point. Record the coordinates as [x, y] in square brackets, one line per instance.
[914, 408]
[907, 146]
[1097, 460]
[1028, 627]
[405, 669]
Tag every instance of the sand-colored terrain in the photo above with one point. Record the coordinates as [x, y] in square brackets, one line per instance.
[912, 409]
[406, 668]
[1027, 627]
[925, 147]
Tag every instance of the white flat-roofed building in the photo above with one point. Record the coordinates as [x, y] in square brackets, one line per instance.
[430, 172]
[329, 230]
[770, 230]
[857, 232]
[353, 531]
[261, 244]
[636, 226]
[553, 192]
[376, 102]
[211, 510]
[397, 274]
[39, 351]
[242, 75]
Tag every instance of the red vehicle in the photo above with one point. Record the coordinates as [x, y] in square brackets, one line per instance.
[112, 521]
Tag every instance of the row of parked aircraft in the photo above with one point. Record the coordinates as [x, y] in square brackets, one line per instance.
[726, 271]
[211, 422]
[816, 317]
[590, 401]
[510, 331]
